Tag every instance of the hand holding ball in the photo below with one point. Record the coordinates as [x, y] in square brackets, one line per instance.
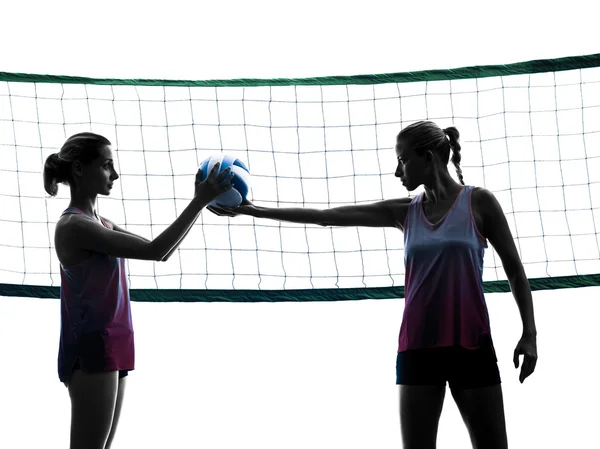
[240, 182]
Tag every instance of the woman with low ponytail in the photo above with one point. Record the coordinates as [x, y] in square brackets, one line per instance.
[82, 147]
[96, 348]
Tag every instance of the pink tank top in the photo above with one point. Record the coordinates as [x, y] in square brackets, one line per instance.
[444, 303]
[96, 325]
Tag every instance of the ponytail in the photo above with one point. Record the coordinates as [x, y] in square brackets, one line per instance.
[453, 136]
[54, 172]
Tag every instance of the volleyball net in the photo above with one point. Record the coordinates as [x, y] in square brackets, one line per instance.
[530, 133]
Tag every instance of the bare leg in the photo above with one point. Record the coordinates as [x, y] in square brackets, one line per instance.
[118, 406]
[420, 411]
[482, 410]
[93, 401]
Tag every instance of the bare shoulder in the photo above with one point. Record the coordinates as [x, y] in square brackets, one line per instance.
[110, 223]
[67, 222]
[398, 207]
[487, 212]
[497, 230]
[72, 224]
[484, 202]
[67, 250]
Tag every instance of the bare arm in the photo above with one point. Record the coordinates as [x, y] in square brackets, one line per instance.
[168, 255]
[123, 230]
[381, 214]
[496, 230]
[95, 237]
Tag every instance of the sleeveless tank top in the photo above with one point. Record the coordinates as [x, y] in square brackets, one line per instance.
[96, 326]
[444, 302]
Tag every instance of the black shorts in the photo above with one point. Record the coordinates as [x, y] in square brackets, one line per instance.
[122, 373]
[462, 368]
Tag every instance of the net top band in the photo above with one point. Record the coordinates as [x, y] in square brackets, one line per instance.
[484, 71]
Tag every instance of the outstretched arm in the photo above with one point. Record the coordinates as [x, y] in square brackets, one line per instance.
[95, 237]
[117, 228]
[124, 231]
[170, 253]
[380, 214]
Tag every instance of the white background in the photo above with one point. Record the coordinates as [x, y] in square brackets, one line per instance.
[290, 375]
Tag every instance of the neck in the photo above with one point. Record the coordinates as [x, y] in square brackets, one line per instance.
[441, 187]
[83, 202]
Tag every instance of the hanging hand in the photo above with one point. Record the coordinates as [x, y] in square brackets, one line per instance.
[528, 347]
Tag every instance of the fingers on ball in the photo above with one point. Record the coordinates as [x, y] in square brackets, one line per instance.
[215, 168]
[224, 173]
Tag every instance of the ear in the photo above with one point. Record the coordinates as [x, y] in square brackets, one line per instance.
[76, 168]
[429, 157]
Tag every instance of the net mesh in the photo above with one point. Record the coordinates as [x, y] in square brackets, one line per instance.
[531, 139]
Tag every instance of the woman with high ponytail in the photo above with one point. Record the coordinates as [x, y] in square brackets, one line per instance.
[445, 333]
[96, 346]
[453, 136]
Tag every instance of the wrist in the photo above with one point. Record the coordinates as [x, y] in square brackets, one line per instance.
[253, 211]
[198, 203]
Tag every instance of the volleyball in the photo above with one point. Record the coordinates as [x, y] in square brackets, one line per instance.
[241, 179]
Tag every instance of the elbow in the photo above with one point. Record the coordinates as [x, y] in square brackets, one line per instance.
[516, 275]
[162, 257]
[325, 219]
[155, 254]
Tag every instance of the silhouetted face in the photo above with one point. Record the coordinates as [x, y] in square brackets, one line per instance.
[98, 176]
[411, 167]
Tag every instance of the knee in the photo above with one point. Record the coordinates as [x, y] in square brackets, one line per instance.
[419, 445]
[88, 440]
[87, 444]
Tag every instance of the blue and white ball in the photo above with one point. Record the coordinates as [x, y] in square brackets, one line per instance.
[241, 179]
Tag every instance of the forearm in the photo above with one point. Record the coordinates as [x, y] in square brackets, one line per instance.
[294, 214]
[519, 285]
[170, 253]
[170, 237]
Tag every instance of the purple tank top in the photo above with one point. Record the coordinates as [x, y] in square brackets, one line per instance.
[96, 326]
[444, 302]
